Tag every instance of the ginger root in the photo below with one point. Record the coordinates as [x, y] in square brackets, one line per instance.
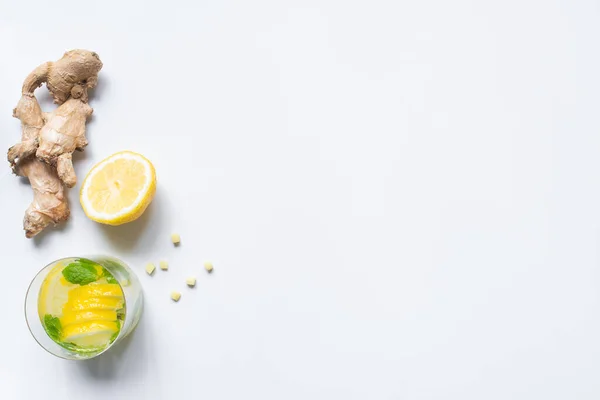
[44, 154]
[76, 67]
[49, 204]
[63, 133]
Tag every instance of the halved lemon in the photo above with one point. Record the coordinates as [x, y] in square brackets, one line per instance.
[119, 189]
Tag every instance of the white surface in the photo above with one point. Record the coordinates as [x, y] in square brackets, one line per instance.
[401, 198]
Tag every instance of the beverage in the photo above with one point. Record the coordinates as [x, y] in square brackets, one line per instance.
[79, 307]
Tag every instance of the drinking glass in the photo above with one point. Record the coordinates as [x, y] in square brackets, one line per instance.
[133, 305]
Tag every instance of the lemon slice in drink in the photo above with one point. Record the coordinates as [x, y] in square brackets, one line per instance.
[77, 317]
[54, 293]
[111, 290]
[119, 189]
[89, 317]
[90, 333]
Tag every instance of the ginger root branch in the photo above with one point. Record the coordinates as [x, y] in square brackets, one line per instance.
[49, 206]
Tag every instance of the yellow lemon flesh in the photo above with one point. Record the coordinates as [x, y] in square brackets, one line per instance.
[119, 189]
[89, 316]
[54, 292]
[73, 318]
[90, 334]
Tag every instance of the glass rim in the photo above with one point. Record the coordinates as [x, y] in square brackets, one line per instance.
[38, 317]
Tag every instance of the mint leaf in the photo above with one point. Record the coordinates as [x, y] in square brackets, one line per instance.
[109, 277]
[81, 272]
[53, 327]
[80, 350]
[116, 334]
[69, 346]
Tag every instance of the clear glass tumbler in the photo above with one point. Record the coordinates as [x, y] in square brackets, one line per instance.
[132, 305]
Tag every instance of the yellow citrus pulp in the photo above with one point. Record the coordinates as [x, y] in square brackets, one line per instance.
[119, 189]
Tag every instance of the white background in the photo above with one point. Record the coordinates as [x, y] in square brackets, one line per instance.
[401, 198]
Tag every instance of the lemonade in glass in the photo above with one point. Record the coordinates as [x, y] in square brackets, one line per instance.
[78, 307]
